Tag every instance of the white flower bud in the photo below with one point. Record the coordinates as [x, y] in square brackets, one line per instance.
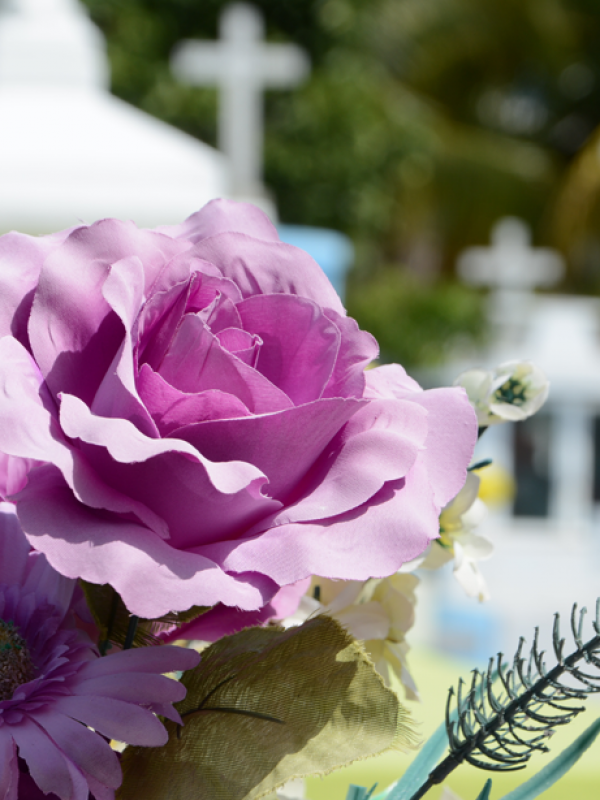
[512, 392]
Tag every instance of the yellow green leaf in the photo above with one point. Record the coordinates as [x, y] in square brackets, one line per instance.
[264, 706]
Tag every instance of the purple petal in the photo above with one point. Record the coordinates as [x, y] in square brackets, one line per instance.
[115, 719]
[379, 444]
[47, 765]
[86, 749]
[220, 216]
[189, 285]
[126, 444]
[97, 790]
[243, 345]
[277, 444]
[261, 267]
[136, 688]
[372, 541]
[47, 583]
[29, 430]
[74, 334]
[299, 344]
[13, 473]
[451, 437]
[9, 771]
[117, 395]
[165, 658]
[223, 620]
[357, 350]
[26, 426]
[172, 409]
[29, 790]
[390, 381]
[151, 577]
[21, 259]
[199, 499]
[197, 362]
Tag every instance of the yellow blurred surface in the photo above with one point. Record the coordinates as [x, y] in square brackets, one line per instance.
[434, 674]
[497, 485]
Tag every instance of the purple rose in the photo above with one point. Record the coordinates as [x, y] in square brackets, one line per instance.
[209, 434]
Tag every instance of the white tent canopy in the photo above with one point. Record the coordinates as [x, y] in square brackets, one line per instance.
[70, 151]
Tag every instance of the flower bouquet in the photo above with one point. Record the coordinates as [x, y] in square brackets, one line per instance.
[195, 456]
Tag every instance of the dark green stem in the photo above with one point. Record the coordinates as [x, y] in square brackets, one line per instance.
[456, 757]
[114, 605]
[131, 629]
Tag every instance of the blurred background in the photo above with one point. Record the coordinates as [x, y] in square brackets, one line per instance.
[439, 158]
[421, 124]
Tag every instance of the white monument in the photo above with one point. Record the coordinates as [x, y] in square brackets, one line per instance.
[242, 65]
[69, 150]
[512, 269]
[546, 554]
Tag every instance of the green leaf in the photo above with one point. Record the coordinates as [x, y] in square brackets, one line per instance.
[359, 792]
[114, 620]
[485, 792]
[414, 777]
[557, 767]
[265, 706]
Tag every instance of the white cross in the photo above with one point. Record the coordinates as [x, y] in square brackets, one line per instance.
[242, 65]
[512, 268]
[511, 262]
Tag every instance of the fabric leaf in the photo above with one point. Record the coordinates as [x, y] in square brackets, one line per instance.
[264, 706]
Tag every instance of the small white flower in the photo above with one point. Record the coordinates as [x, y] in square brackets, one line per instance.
[510, 393]
[457, 540]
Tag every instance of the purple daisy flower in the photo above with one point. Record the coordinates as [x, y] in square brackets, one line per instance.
[54, 687]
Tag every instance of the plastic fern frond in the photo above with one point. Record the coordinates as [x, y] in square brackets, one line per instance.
[509, 711]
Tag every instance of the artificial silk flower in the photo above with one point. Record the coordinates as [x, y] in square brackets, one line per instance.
[378, 611]
[196, 399]
[53, 684]
[458, 541]
[512, 392]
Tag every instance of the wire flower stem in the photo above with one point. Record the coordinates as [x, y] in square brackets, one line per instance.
[505, 730]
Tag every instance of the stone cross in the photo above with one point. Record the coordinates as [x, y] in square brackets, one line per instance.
[242, 65]
[512, 269]
[511, 262]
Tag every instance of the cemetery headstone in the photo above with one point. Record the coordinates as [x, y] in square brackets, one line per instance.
[512, 269]
[242, 65]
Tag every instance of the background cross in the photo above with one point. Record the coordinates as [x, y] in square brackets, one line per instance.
[511, 262]
[242, 65]
[512, 269]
